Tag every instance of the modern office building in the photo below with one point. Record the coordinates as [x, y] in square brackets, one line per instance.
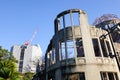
[28, 57]
[78, 51]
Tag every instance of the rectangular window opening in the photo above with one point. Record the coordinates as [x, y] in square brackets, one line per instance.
[61, 23]
[70, 48]
[108, 47]
[62, 50]
[75, 17]
[96, 48]
[104, 50]
[109, 76]
[67, 20]
[79, 46]
[76, 76]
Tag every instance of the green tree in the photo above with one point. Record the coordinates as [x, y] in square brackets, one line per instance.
[3, 53]
[8, 66]
[28, 76]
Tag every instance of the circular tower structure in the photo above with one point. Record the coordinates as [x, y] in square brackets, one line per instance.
[78, 52]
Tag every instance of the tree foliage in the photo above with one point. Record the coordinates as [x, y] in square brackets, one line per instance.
[28, 76]
[8, 66]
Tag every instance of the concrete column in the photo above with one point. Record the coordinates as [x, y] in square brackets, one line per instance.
[88, 49]
[58, 74]
[57, 55]
[86, 38]
[92, 73]
[46, 76]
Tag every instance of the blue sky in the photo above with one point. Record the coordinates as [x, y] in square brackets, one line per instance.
[20, 18]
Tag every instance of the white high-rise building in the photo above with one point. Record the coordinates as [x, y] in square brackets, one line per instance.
[28, 57]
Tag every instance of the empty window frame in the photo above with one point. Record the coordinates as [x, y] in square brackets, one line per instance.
[60, 23]
[76, 76]
[108, 47]
[67, 20]
[109, 76]
[79, 47]
[82, 76]
[96, 47]
[53, 55]
[70, 49]
[70, 19]
[104, 49]
[63, 55]
[75, 19]
[48, 59]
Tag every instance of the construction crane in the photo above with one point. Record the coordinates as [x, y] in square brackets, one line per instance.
[31, 39]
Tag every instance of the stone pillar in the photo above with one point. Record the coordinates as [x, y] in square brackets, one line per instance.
[58, 74]
[57, 55]
[88, 49]
[86, 38]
